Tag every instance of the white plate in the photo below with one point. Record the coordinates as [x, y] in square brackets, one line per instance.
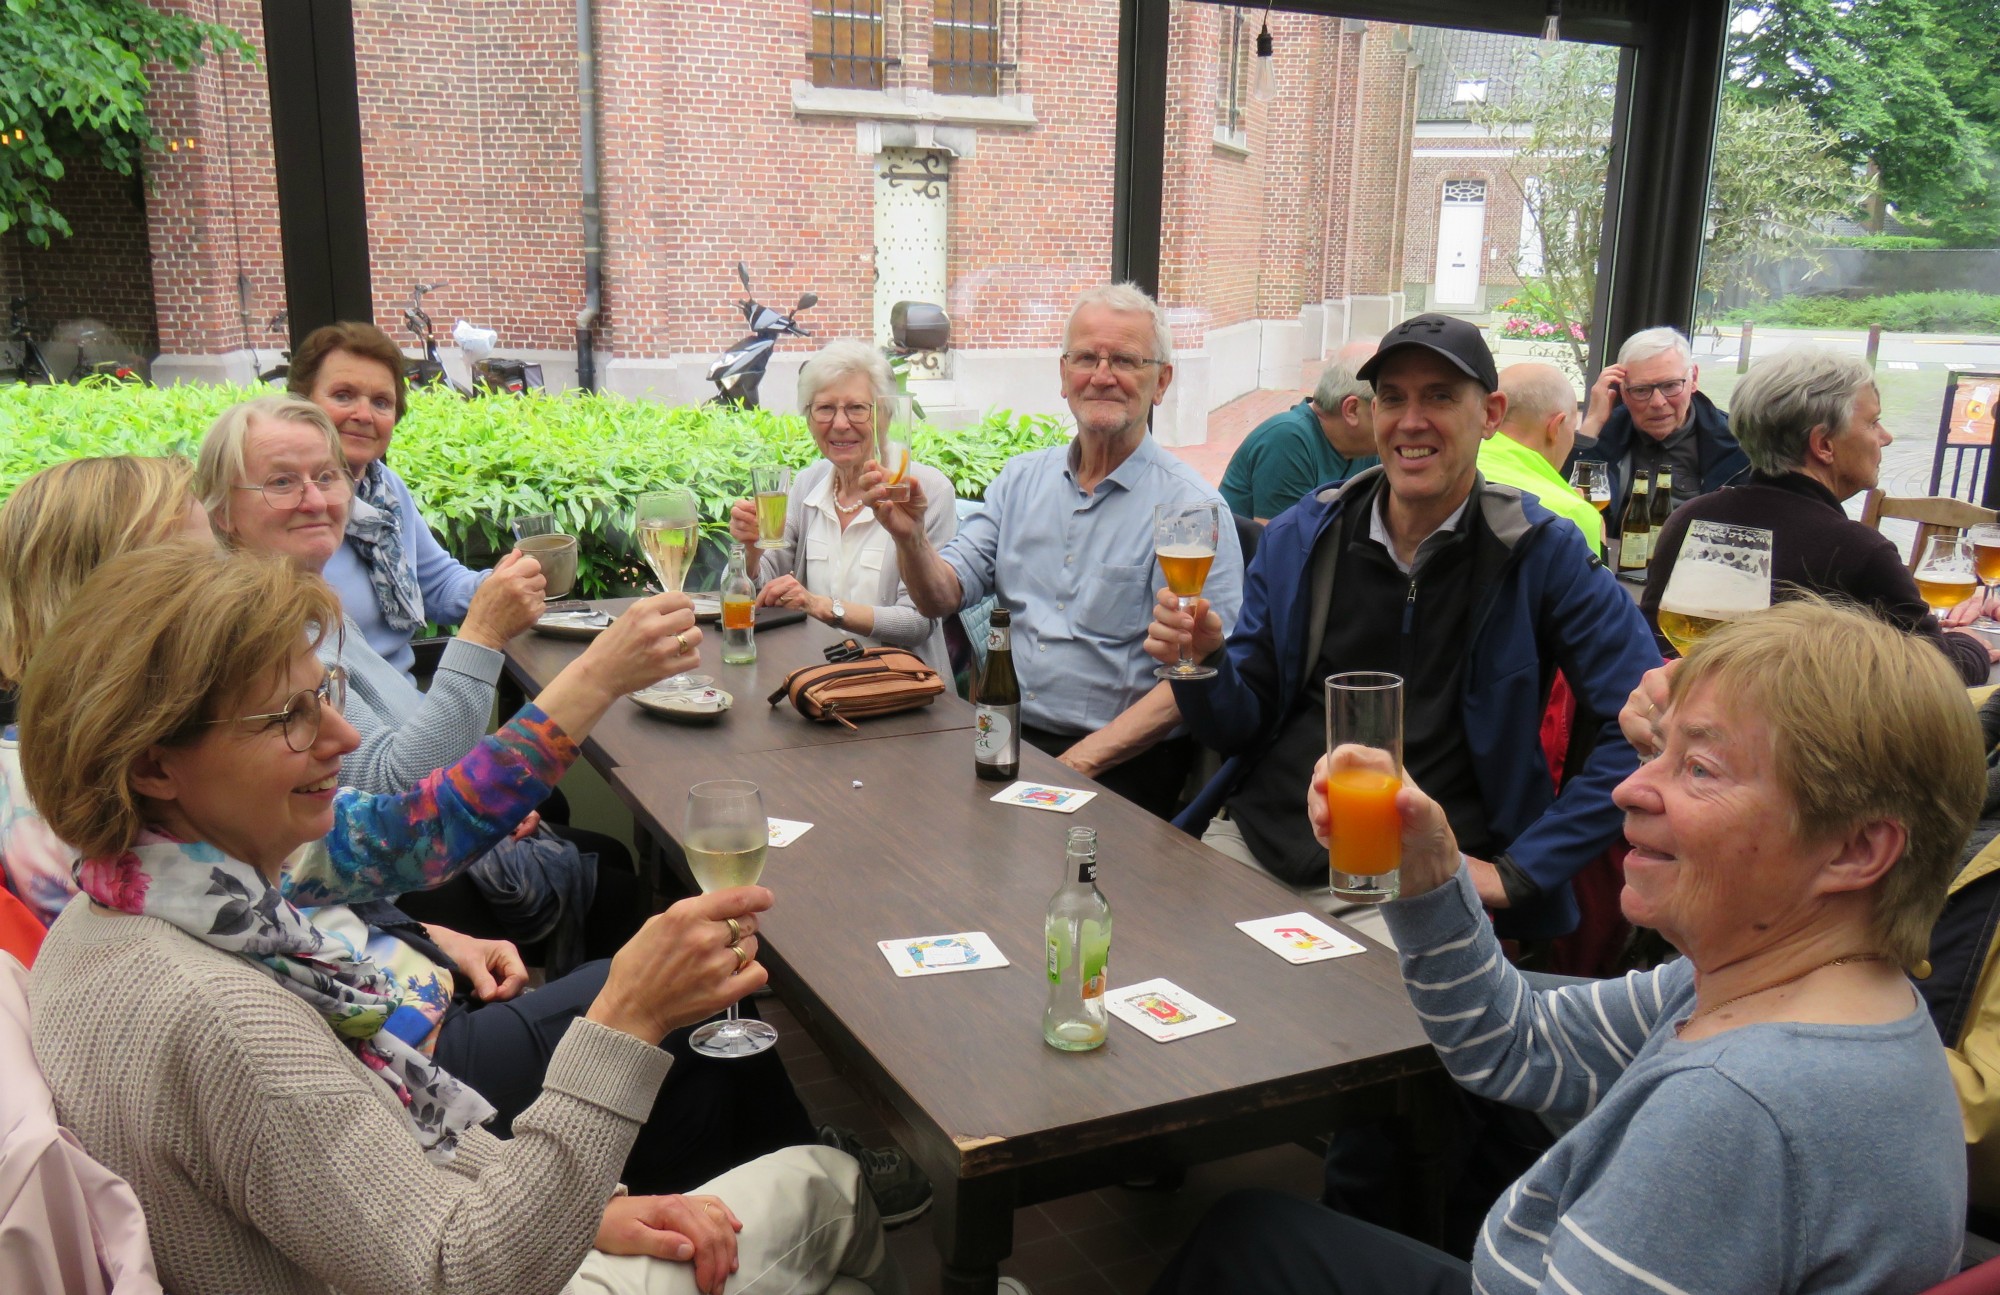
[569, 625]
[707, 607]
[694, 706]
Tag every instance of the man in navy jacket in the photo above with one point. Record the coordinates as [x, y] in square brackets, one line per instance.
[1475, 594]
[1647, 411]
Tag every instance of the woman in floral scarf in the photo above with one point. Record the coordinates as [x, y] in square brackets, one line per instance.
[243, 1069]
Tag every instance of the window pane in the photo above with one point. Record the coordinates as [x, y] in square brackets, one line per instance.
[966, 47]
[847, 44]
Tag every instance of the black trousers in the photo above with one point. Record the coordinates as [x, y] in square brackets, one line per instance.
[1267, 1243]
[711, 1115]
[1152, 779]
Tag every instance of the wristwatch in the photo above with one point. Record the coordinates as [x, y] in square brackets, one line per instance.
[839, 615]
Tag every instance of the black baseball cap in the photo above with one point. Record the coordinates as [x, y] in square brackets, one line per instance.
[1447, 335]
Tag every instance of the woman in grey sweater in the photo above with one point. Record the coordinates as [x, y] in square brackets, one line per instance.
[1770, 1113]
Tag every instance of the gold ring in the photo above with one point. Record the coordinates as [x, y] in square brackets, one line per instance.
[682, 639]
[735, 929]
[742, 958]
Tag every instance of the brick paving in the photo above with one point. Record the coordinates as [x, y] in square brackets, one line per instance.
[1229, 424]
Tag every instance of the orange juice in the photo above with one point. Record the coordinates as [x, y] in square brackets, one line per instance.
[738, 613]
[1365, 833]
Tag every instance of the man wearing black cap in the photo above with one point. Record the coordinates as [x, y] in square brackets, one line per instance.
[1476, 595]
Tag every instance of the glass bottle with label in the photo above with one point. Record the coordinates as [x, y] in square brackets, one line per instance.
[996, 750]
[1079, 936]
[739, 611]
[1663, 498]
[1637, 530]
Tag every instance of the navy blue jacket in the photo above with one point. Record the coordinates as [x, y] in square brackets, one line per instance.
[1550, 604]
[1722, 459]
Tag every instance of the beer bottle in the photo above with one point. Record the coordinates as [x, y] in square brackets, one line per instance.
[1663, 497]
[996, 697]
[1636, 532]
[739, 611]
[1079, 934]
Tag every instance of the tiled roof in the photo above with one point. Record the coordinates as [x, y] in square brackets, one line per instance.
[1448, 56]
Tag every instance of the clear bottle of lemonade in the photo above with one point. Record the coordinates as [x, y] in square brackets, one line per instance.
[1079, 936]
[739, 611]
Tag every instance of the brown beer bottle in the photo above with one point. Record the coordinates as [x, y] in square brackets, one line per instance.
[1637, 529]
[1663, 497]
[996, 699]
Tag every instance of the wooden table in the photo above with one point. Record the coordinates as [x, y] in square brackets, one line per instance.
[629, 735]
[956, 1063]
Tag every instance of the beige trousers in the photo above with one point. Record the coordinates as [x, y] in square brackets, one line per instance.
[1225, 837]
[809, 1226]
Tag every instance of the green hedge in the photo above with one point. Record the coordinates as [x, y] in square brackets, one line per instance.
[475, 465]
[1904, 312]
[1890, 242]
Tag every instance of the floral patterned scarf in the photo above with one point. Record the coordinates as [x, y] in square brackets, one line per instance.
[375, 524]
[228, 904]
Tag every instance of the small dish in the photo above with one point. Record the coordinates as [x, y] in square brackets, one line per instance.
[695, 706]
[707, 607]
[574, 625]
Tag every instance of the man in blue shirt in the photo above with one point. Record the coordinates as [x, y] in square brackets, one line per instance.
[1065, 542]
[1316, 442]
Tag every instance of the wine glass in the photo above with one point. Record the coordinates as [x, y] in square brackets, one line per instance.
[1722, 572]
[669, 525]
[1185, 537]
[1986, 558]
[725, 840]
[892, 449]
[1948, 573]
[1592, 482]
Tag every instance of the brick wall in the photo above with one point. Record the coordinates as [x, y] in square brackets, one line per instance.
[1428, 174]
[103, 271]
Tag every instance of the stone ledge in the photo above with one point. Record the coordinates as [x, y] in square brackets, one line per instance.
[913, 105]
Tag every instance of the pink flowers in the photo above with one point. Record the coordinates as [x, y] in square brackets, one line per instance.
[1522, 328]
[118, 883]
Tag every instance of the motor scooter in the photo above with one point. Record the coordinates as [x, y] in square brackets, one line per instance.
[738, 371]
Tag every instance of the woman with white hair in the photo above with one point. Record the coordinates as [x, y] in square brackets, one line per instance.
[1810, 420]
[840, 566]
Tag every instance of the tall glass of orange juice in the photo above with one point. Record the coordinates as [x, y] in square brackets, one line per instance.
[1365, 833]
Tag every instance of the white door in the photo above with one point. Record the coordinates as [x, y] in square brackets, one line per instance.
[1461, 230]
[910, 230]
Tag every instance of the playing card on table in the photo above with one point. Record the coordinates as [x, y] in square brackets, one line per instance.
[1035, 795]
[933, 955]
[1300, 937]
[1163, 1011]
[784, 831]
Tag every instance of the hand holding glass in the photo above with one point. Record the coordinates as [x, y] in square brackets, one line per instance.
[892, 450]
[669, 526]
[1364, 830]
[538, 536]
[1949, 571]
[1185, 537]
[726, 838]
[1722, 572]
[772, 489]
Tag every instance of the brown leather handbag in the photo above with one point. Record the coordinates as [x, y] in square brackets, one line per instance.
[857, 683]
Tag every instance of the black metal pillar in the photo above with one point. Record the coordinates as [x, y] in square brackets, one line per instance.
[1662, 149]
[316, 146]
[1139, 179]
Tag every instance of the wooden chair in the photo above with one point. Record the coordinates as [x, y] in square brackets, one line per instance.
[1932, 514]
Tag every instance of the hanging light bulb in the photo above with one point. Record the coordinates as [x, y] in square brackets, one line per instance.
[1264, 85]
[1552, 24]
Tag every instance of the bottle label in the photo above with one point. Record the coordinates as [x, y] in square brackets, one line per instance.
[995, 743]
[1095, 961]
[1086, 871]
[1634, 549]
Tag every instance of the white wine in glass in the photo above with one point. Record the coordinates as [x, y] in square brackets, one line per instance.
[669, 525]
[725, 839]
[1721, 573]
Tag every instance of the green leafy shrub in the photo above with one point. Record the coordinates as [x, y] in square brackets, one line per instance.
[1903, 312]
[475, 465]
[1890, 242]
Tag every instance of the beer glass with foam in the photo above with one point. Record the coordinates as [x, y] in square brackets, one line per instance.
[1721, 572]
[1948, 573]
[1185, 537]
[1364, 709]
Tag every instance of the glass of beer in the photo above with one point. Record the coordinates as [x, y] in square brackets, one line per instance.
[1184, 540]
[892, 448]
[1948, 573]
[1592, 481]
[1722, 572]
[725, 839]
[1364, 832]
[771, 487]
[669, 525]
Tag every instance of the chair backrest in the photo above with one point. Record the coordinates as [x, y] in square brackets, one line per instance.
[1931, 513]
[1248, 532]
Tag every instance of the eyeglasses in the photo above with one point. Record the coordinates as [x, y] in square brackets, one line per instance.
[302, 711]
[857, 415]
[1644, 395]
[285, 491]
[1122, 364]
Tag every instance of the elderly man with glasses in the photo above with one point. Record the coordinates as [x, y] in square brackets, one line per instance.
[1654, 389]
[1065, 542]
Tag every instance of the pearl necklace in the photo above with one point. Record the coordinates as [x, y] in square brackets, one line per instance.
[845, 510]
[1841, 961]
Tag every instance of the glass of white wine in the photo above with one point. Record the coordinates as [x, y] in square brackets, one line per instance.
[1721, 572]
[669, 525]
[725, 840]
[892, 449]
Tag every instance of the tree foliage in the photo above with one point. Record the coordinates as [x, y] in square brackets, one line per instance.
[73, 88]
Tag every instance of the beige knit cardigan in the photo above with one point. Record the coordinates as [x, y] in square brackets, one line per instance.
[268, 1159]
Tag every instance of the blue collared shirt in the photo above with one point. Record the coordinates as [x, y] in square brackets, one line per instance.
[1076, 571]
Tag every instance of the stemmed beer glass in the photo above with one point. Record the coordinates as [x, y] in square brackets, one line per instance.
[725, 840]
[1722, 572]
[1185, 537]
[669, 525]
[1949, 571]
[1592, 482]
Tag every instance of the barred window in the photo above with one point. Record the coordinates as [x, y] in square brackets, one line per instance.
[1229, 79]
[847, 44]
[966, 55]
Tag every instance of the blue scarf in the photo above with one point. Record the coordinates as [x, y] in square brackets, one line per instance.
[375, 524]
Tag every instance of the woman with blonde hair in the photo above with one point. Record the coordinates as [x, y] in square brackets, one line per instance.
[180, 731]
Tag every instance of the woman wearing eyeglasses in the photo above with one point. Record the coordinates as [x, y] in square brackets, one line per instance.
[840, 566]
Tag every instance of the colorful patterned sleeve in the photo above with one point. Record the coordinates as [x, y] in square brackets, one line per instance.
[387, 845]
